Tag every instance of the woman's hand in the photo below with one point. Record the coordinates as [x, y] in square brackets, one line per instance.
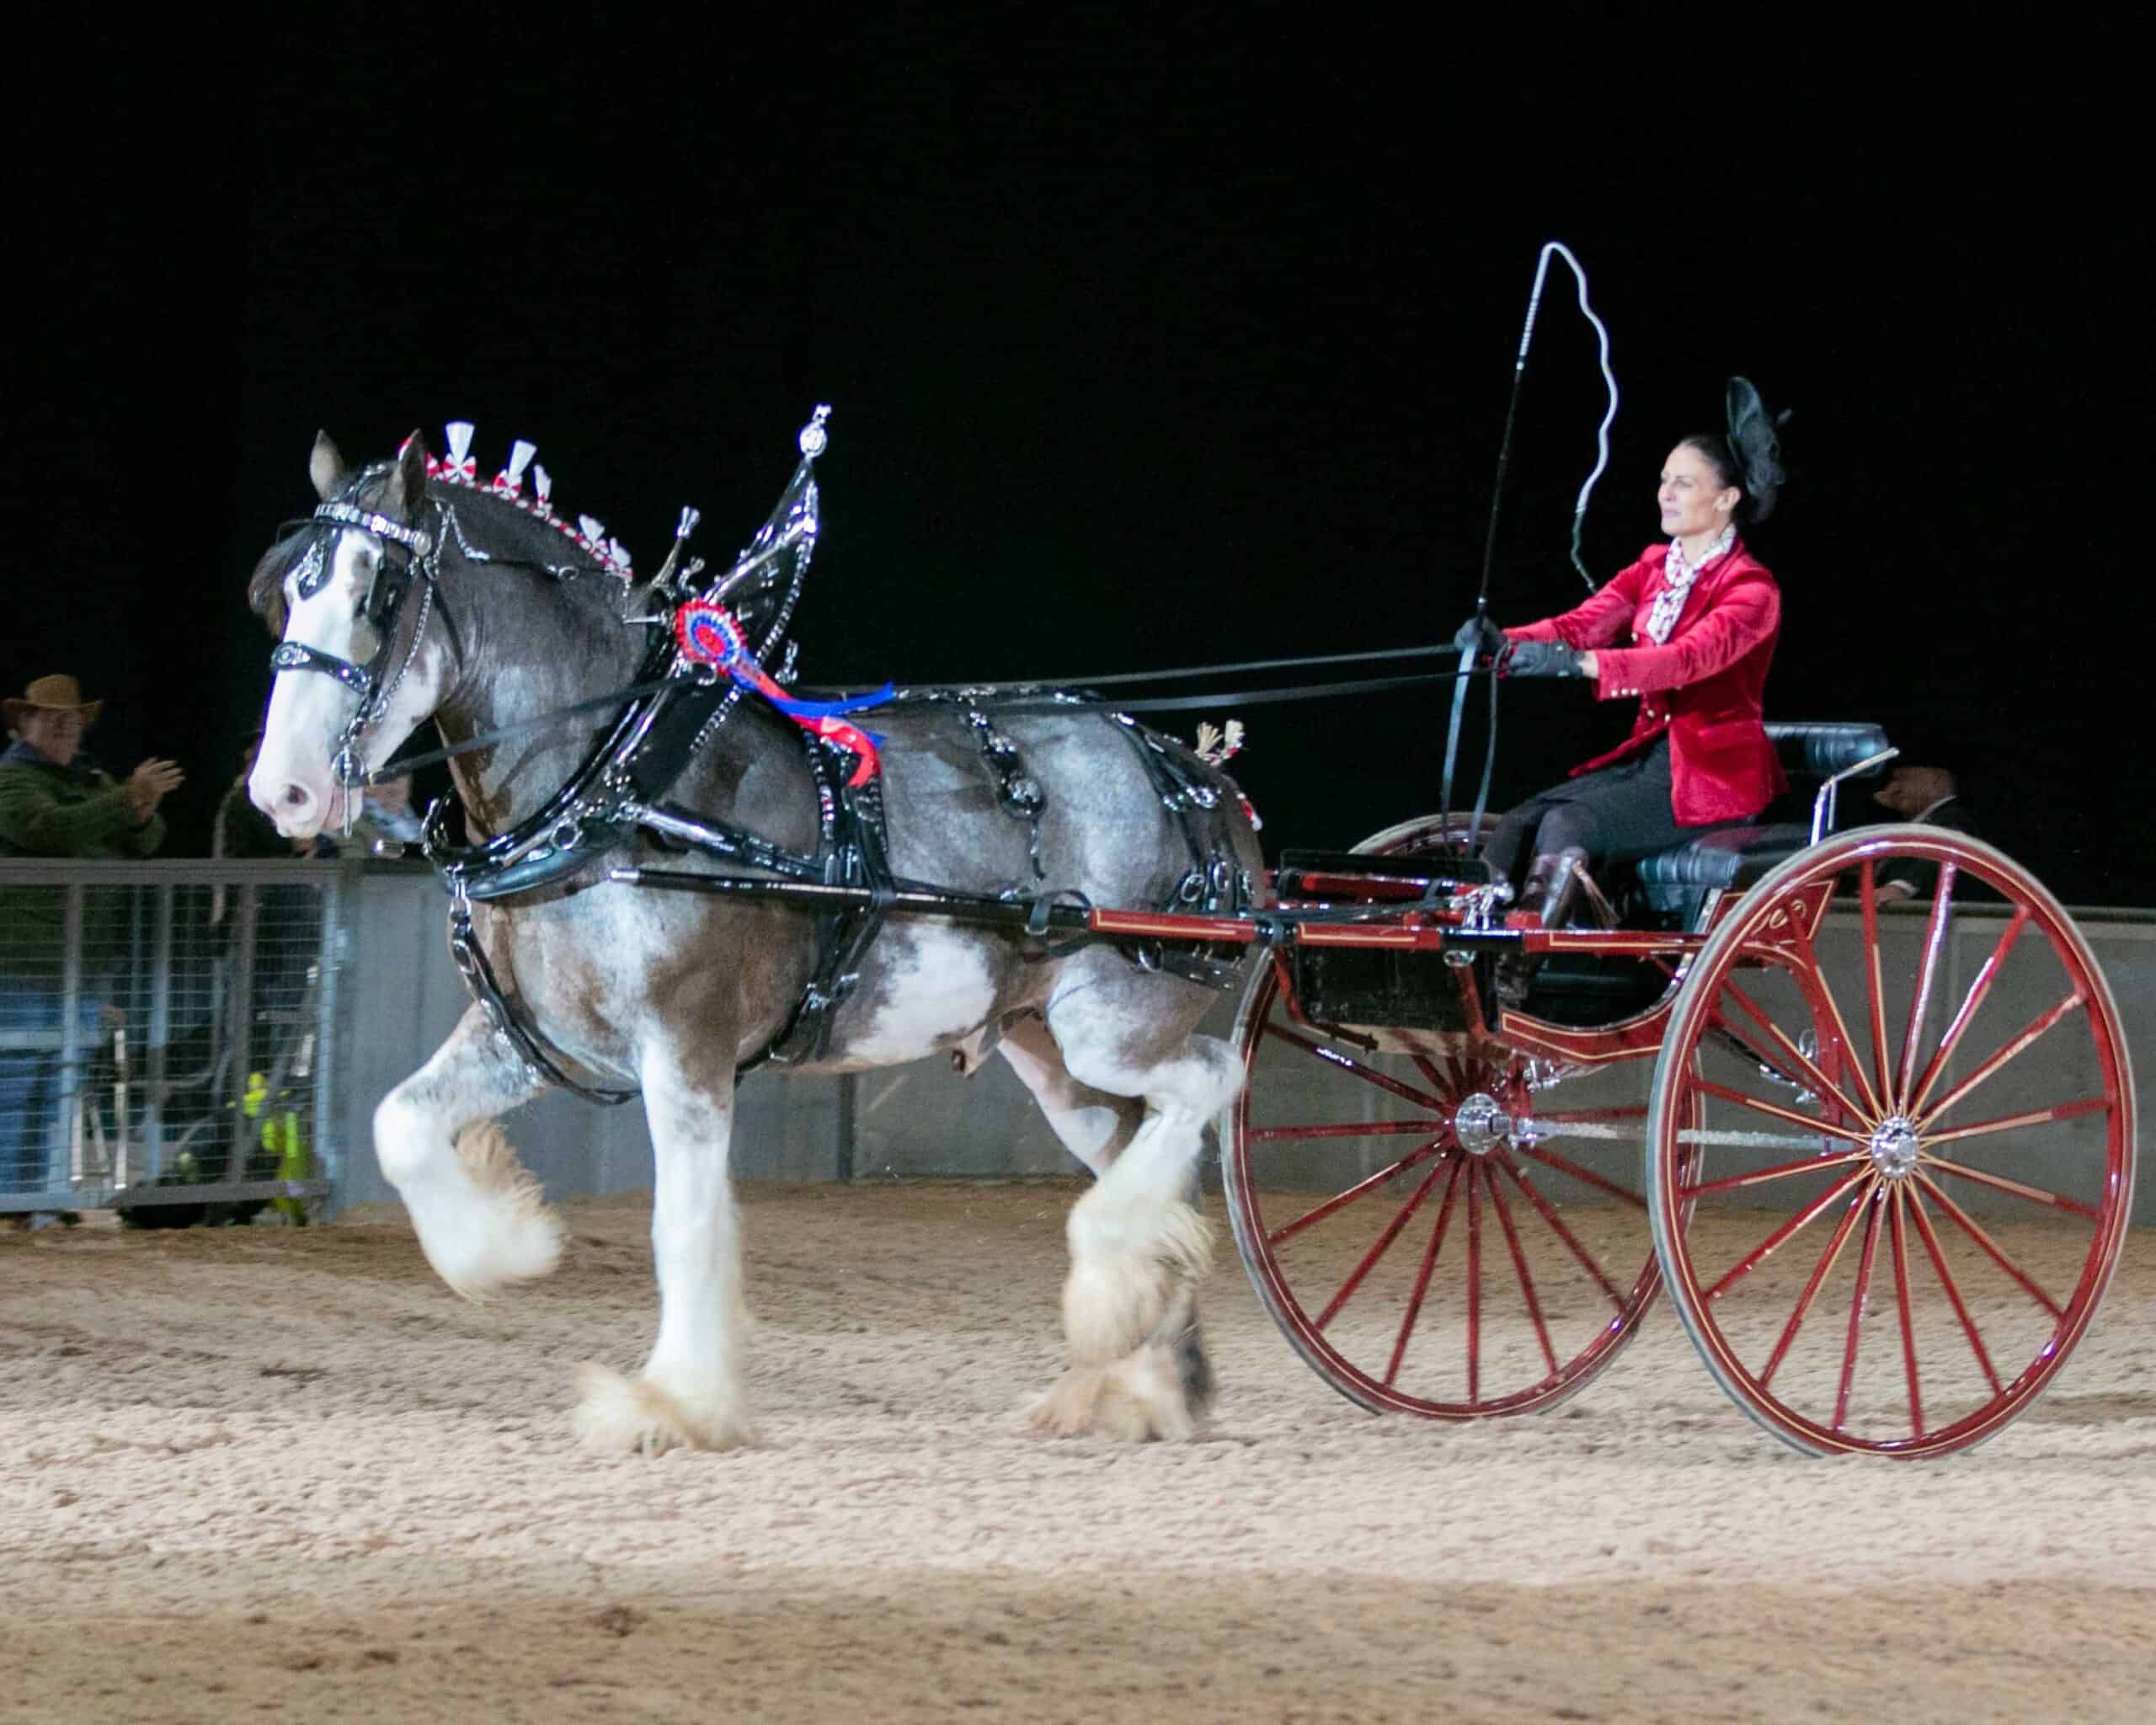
[1587, 665]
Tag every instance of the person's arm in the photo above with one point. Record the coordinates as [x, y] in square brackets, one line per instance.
[1743, 617]
[1606, 616]
[35, 823]
[145, 839]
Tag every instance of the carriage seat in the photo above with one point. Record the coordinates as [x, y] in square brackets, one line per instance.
[1678, 880]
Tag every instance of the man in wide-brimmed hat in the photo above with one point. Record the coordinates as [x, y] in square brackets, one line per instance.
[55, 803]
[52, 804]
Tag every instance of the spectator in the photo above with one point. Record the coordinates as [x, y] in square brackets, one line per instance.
[387, 819]
[54, 801]
[1928, 796]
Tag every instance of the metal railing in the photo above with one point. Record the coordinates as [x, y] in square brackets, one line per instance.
[167, 1037]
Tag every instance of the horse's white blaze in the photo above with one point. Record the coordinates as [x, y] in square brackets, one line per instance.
[944, 992]
[309, 710]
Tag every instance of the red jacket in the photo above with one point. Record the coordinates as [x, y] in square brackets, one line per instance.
[1703, 688]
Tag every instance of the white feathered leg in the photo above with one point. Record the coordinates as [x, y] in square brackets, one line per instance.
[689, 1392]
[479, 1216]
[1139, 1247]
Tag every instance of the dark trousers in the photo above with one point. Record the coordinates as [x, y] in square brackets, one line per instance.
[1617, 814]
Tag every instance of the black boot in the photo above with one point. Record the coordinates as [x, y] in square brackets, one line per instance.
[1553, 882]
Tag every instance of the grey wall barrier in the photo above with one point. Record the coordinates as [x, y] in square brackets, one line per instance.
[400, 995]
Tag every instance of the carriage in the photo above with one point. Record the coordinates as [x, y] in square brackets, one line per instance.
[1882, 1156]
[1859, 1099]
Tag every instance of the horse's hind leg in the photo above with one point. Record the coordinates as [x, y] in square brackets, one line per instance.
[479, 1216]
[690, 1392]
[1093, 1125]
[1138, 1245]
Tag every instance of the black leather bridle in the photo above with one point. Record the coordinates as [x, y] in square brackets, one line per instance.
[394, 577]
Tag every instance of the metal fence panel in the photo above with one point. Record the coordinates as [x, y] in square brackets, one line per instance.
[165, 1037]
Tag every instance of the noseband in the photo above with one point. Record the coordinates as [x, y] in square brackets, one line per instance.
[385, 601]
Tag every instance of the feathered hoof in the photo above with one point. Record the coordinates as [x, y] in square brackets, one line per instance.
[622, 1416]
[1133, 1400]
[503, 1233]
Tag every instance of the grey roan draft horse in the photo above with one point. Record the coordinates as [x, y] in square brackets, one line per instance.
[669, 992]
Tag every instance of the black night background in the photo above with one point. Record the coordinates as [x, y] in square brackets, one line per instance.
[1143, 351]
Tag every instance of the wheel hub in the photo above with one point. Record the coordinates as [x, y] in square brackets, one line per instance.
[1894, 1149]
[1480, 1125]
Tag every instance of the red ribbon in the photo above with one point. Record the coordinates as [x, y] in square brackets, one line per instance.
[710, 634]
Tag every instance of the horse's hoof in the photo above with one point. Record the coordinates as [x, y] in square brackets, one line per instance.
[1135, 1399]
[620, 1416]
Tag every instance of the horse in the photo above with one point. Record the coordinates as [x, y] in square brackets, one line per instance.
[671, 994]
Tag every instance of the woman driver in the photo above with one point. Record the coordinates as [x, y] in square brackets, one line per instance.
[1699, 617]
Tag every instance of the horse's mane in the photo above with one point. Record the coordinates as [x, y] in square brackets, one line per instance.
[535, 541]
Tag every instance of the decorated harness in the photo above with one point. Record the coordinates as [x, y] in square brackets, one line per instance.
[708, 652]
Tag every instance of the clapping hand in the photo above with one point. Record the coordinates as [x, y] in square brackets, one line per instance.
[151, 783]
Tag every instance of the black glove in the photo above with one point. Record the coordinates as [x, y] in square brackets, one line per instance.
[1480, 637]
[1541, 659]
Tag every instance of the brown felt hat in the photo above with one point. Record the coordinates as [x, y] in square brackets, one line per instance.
[54, 694]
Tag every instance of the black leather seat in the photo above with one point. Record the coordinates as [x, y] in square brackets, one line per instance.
[1728, 857]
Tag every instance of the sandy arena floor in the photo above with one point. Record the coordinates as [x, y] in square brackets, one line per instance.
[262, 1473]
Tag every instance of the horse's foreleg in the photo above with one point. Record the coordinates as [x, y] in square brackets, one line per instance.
[689, 1392]
[1138, 1245]
[479, 1216]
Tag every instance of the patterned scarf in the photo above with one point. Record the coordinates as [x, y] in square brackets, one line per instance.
[1677, 575]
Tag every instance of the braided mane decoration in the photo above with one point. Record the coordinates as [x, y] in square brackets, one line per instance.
[459, 468]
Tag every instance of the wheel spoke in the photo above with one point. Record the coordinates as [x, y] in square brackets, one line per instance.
[1340, 1200]
[1908, 1314]
[2037, 1027]
[1815, 1080]
[1874, 985]
[1874, 1205]
[1841, 1030]
[1991, 1247]
[1422, 1274]
[1820, 1272]
[1346, 1063]
[1826, 1128]
[2035, 1117]
[1379, 1248]
[2034, 1194]
[1474, 1285]
[1759, 1176]
[1759, 1253]
[1986, 975]
[1526, 1282]
[1548, 1212]
[1935, 942]
[1586, 1176]
[1953, 1290]
[1346, 1128]
[1428, 1069]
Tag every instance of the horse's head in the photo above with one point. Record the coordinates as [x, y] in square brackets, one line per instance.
[358, 667]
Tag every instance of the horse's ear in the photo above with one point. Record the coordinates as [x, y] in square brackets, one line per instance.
[325, 466]
[408, 484]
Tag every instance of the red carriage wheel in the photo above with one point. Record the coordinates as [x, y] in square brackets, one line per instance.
[1890, 1152]
[1433, 1234]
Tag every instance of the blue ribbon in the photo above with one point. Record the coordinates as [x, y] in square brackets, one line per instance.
[835, 709]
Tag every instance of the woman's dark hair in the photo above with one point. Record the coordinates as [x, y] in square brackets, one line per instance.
[1749, 454]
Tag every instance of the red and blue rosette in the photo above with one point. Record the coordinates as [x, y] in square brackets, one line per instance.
[710, 634]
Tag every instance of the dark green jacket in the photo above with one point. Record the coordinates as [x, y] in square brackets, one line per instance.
[50, 810]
